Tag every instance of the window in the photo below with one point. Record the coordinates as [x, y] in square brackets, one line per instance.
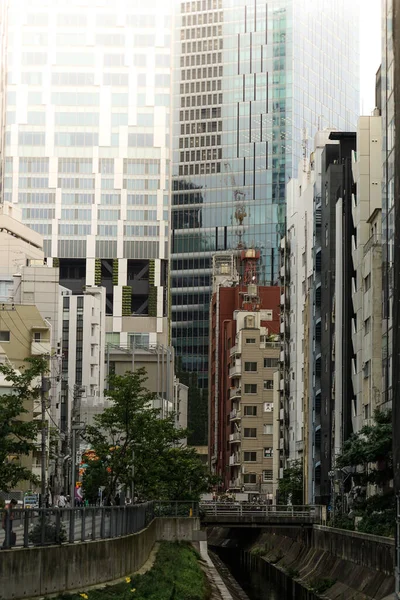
[250, 388]
[250, 456]
[267, 475]
[268, 452]
[270, 363]
[250, 340]
[250, 411]
[367, 326]
[250, 432]
[367, 282]
[250, 367]
[4, 336]
[250, 478]
[268, 384]
[367, 369]
[37, 337]
[267, 430]
[268, 407]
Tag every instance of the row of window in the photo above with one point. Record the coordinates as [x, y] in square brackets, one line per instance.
[141, 184]
[201, 73]
[197, 115]
[102, 230]
[203, 155]
[251, 388]
[201, 32]
[252, 456]
[252, 477]
[141, 166]
[200, 100]
[202, 19]
[202, 169]
[202, 46]
[251, 411]
[200, 5]
[252, 367]
[36, 198]
[251, 432]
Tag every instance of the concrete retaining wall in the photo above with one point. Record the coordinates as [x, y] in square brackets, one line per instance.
[30, 572]
[361, 565]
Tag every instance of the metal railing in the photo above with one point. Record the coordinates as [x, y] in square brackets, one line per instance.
[253, 509]
[374, 240]
[43, 527]
[176, 509]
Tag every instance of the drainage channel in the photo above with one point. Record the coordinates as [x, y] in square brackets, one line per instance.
[246, 581]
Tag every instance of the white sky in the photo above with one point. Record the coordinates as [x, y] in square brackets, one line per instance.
[370, 52]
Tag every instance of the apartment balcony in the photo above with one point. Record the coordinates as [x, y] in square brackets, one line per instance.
[234, 460]
[299, 446]
[39, 348]
[234, 350]
[234, 438]
[235, 414]
[235, 371]
[235, 392]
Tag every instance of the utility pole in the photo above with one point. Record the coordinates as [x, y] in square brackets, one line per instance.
[74, 430]
[44, 388]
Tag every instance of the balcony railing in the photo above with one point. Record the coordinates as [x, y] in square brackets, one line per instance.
[234, 459]
[235, 371]
[374, 240]
[235, 414]
[235, 392]
[234, 437]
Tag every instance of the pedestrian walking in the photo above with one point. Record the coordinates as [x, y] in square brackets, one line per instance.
[10, 537]
[62, 501]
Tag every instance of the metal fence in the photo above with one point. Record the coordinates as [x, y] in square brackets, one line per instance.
[42, 527]
[176, 509]
[250, 509]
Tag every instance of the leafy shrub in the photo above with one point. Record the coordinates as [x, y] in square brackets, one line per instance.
[258, 551]
[291, 572]
[50, 533]
[382, 523]
[342, 522]
[320, 585]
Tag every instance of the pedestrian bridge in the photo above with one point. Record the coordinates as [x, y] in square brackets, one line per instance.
[246, 514]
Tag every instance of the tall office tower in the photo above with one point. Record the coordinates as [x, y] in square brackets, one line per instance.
[86, 121]
[253, 82]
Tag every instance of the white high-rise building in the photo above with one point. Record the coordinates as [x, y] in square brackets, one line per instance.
[86, 121]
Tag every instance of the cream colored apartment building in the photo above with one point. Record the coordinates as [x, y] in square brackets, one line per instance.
[254, 359]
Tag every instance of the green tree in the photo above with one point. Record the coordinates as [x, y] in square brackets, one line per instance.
[291, 484]
[95, 476]
[370, 451]
[133, 444]
[17, 431]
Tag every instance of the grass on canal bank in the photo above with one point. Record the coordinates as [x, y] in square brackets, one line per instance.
[176, 575]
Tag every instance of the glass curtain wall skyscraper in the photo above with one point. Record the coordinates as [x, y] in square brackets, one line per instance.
[86, 122]
[253, 83]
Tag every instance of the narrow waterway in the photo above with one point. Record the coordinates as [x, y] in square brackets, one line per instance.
[254, 582]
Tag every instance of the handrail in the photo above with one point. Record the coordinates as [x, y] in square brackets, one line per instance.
[49, 526]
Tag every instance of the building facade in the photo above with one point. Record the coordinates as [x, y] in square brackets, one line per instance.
[253, 83]
[86, 121]
[25, 334]
[367, 261]
[244, 354]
